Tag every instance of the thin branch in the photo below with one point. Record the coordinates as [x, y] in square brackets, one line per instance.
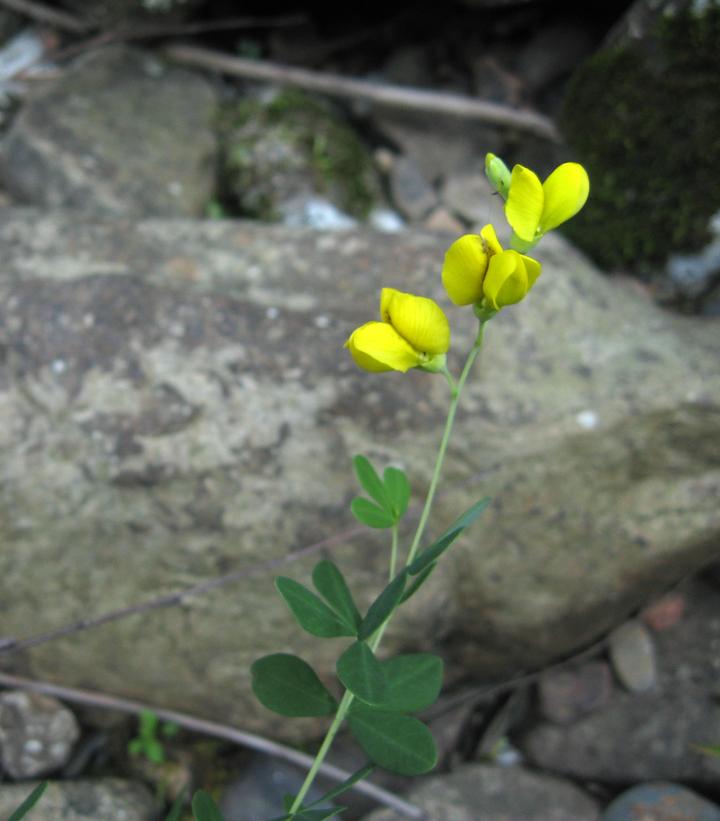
[211, 728]
[335, 85]
[53, 17]
[11, 645]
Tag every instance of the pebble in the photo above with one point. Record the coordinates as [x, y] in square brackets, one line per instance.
[317, 213]
[664, 613]
[442, 221]
[660, 801]
[385, 220]
[412, 194]
[37, 734]
[566, 695]
[632, 654]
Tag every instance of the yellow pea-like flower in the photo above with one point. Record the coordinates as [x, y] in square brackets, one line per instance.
[534, 208]
[414, 333]
[477, 271]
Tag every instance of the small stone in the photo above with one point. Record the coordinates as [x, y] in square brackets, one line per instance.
[412, 193]
[664, 613]
[470, 197]
[37, 734]
[478, 791]
[443, 222]
[660, 801]
[632, 654]
[566, 695]
[102, 799]
[385, 220]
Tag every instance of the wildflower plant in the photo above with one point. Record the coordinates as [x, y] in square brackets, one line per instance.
[380, 697]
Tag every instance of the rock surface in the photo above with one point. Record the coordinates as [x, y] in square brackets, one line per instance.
[103, 799]
[37, 734]
[660, 802]
[169, 386]
[646, 736]
[497, 794]
[119, 133]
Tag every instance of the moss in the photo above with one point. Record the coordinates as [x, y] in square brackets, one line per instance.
[303, 137]
[648, 130]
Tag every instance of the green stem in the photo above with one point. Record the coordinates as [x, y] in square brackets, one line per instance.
[347, 699]
[342, 709]
[394, 552]
[456, 393]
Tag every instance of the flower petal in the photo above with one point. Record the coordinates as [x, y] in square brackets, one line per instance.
[506, 281]
[532, 269]
[464, 268]
[420, 321]
[524, 205]
[565, 192]
[490, 241]
[377, 346]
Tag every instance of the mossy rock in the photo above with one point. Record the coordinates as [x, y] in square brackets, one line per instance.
[647, 126]
[293, 145]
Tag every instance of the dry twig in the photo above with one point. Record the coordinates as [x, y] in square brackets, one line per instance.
[211, 728]
[43, 14]
[454, 105]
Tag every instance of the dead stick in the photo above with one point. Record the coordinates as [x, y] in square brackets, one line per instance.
[52, 17]
[211, 728]
[335, 85]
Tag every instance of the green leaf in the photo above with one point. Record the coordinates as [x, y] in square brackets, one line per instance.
[361, 673]
[311, 611]
[370, 482]
[708, 749]
[399, 743]
[177, 807]
[383, 606]
[398, 490]
[154, 751]
[371, 515]
[432, 553]
[136, 746]
[29, 802]
[148, 723]
[331, 585]
[412, 682]
[169, 729]
[204, 808]
[288, 685]
[358, 775]
[418, 582]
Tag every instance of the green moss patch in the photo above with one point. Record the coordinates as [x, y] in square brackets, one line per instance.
[646, 124]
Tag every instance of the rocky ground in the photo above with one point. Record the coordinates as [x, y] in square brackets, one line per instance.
[582, 647]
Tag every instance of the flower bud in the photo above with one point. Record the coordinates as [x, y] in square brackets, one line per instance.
[498, 174]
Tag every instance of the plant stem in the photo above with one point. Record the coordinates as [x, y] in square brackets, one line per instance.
[347, 699]
[394, 552]
[456, 393]
[342, 709]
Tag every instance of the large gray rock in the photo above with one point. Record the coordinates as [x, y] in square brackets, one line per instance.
[119, 133]
[175, 404]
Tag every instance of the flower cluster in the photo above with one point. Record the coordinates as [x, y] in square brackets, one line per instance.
[413, 331]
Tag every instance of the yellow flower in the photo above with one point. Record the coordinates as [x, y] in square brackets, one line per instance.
[477, 271]
[534, 208]
[414, 333]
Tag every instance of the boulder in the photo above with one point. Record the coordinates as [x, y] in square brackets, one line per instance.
[175, 405]
[119, 133]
